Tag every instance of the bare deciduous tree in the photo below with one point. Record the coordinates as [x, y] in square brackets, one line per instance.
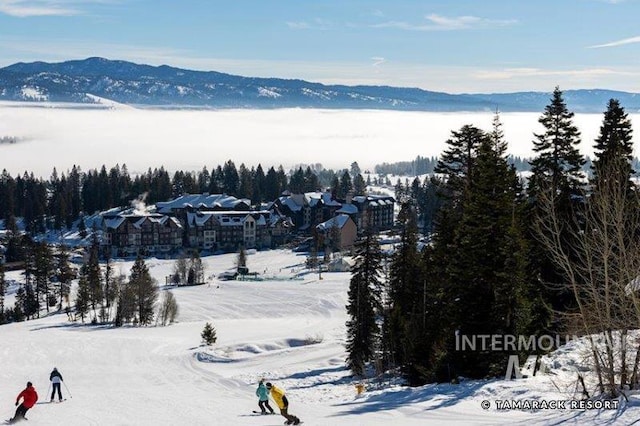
[600, 263]
[168, 310]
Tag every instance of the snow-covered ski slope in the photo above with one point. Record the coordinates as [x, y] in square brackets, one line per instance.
[290, 332]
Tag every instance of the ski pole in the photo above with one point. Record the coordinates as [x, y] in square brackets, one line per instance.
[48, 389]
[67, 388]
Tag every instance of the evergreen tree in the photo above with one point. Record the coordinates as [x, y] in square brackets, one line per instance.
[614, 148]
[555, 171]
[296, 183]
[245, 185]
[42, 272]
[365, 291]
[196, 269]
[94, 277]
[346, 185]
[458, 160]
[359, 185]
[208, 334]
[485, 291]
[404, 285]
[259, 186]
[126, 308]
[64, 274]
[311, 182]
[272, 188]
[110, 287]
[558, 163]
[354, 169]
[145, 290]
[204, 178]
[231, 180]
[83, 295]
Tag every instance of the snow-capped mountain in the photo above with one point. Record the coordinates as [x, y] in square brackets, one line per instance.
[128, 83]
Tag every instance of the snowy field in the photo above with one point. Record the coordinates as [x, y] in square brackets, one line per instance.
[62, 136]
[290, 332]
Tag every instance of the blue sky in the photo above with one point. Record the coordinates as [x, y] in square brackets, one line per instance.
[445, 45]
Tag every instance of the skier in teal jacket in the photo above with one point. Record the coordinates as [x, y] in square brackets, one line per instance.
[263, 396]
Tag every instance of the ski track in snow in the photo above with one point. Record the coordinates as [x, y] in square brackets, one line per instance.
[290, 332]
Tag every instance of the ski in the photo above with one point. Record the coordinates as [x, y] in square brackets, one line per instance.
[259, 412]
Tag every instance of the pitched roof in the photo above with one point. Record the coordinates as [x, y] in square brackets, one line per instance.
[205, 200]
[338, 221]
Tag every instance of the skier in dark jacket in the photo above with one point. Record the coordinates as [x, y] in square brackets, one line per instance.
[56, 379]
[29, 399]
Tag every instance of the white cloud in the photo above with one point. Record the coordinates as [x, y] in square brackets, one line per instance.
[27, 8]
[437, 22]
[622, 42]
[508, 73]
[377, 60]
[316, 24]
[299, 25]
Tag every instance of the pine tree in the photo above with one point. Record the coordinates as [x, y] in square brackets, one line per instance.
[126, 308]
[64, 273]
[83, 295]
[364, 295]
[196, 269]
[311, 182]
[145, 291]
[614, 148]
[231, 180]
[346, 185]
[404, 284]
[487, 297]
[558, 163]
[208, 334]
[457, 162]
[44, 268]
[94, 277]
[359, 185]
[556, 172]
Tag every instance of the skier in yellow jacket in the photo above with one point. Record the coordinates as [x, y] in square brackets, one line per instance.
[283, 403]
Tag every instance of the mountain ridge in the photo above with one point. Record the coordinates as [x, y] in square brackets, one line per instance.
[80, 81]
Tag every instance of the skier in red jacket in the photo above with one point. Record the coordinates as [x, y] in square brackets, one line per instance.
[29, 398]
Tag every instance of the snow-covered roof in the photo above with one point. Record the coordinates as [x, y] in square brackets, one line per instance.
[374, 200]
[113, 222]
[291, 204]
[295, 202]
[205, 200]
[348, 209]
[230, 218]
[338, 221]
